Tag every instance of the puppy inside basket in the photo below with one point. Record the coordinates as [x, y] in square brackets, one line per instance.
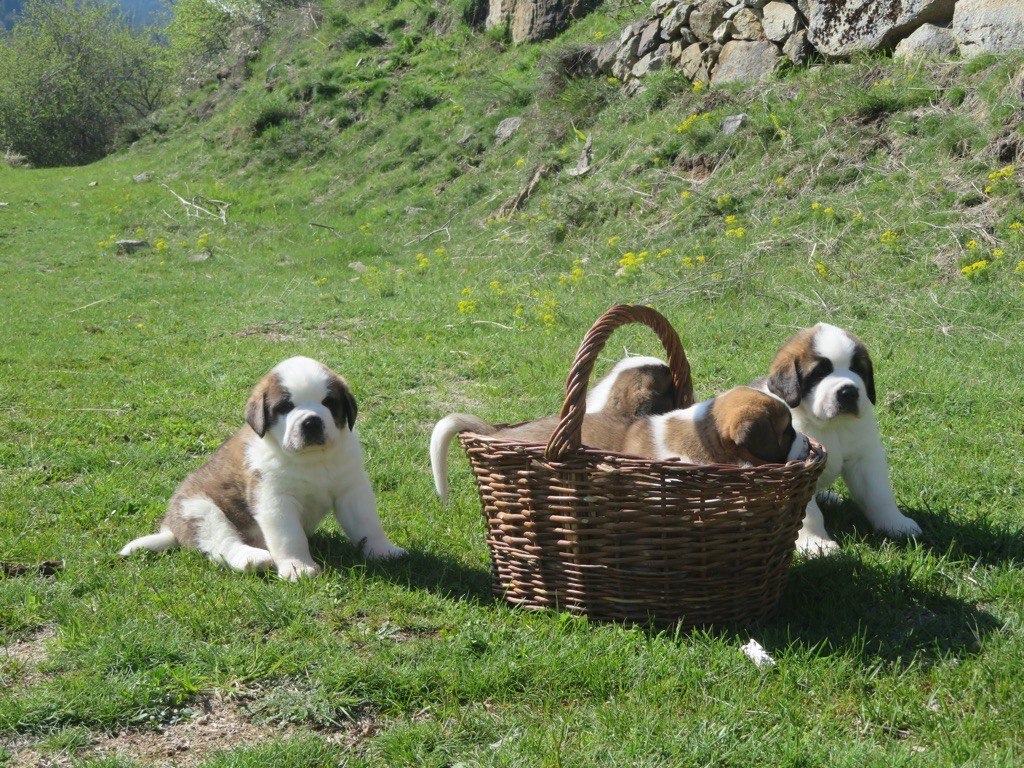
[628, 412]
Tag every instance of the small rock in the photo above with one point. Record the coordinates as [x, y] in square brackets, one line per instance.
[732, 123]
[203, 255]
[506, 129]
[130, 246]
[652, 62]
[691, 64]
[94, 183]
[796, 48]
[676, 19]
[742, 61]
[634, 88]
[357, 266]
[142, 177]
[723, 33]
[927, 40]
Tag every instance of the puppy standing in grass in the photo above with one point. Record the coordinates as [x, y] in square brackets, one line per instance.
[826, 377]
[269, 486]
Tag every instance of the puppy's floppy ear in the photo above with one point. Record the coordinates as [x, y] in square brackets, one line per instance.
[785, 380]
[256, 415]
[762, 437]
[348, 404]
[863, 366]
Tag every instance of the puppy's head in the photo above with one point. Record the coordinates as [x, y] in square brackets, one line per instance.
[636, 386]
[756, 427]
[302, 405]
[825, 371]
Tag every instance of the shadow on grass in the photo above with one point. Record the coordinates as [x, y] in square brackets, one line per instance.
[944, 535]
[991, 543]
[840, 603]
[436, 573]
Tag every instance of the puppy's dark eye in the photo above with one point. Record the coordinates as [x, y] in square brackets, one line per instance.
[283, 407]
[818, 372]
[331, 403]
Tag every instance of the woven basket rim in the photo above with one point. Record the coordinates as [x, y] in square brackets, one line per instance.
[816, 453]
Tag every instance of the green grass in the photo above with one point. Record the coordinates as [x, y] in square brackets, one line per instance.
[120, 373]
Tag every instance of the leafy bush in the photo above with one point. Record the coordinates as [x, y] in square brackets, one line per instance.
[71, 74]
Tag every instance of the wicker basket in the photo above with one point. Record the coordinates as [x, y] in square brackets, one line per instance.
[617, 537]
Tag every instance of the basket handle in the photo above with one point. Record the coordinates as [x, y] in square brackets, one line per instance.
[567, 435]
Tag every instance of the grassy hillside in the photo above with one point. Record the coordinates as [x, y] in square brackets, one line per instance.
[366, 223]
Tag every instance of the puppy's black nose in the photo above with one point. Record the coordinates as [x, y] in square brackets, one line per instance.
[312, 429]
[847, 398]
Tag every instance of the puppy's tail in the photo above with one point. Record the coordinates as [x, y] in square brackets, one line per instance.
[155, 542]
[441, 438]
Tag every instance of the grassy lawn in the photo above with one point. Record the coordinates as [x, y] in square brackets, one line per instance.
[878, 197]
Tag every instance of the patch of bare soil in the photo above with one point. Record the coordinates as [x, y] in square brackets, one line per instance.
[25, 655]
[280, 330]
[224, 725]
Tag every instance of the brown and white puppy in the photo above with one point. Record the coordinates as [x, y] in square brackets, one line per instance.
[635, 386]
[266, 488]
[826, 377]
[743, 426]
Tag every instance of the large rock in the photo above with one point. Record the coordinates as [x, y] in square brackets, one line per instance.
[927, 41]
[742, 61]
[988, 26]
[839, 28]
[674, 22]
[649, 38]
[706, 18]
[531, 20]
[780, 21]
[690, 61]
[746, 25]
[652, 62]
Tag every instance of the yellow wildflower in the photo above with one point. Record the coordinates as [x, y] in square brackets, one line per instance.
[973, 269]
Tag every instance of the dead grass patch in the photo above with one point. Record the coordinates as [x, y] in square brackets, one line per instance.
[224, 724]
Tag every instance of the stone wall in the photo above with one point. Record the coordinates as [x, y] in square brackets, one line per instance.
[718, 41]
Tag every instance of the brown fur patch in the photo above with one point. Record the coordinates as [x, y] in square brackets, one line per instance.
[229, 484]
[754, 427]
[268, 395]
[603, 431]
[642, 391]
[340, 402]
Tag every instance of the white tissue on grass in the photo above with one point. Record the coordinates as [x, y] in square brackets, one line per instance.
[757, 654]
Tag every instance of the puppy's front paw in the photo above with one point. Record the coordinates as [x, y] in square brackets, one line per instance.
[246, 558]
[293, 570]
[811, 545]
[900, 527]
[383, 550]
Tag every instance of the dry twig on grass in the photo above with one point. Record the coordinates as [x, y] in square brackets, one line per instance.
[199, 207]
